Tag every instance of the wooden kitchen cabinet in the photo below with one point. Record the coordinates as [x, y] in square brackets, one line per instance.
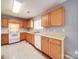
[55, 48]
[4, 39]
[13, 21]
[4, 22]
[24, 24]
[51, 47]
[53, 18]
[22, 36]
[57, 17]
[28, 24]
[45, 45]
[45, 20]
[30, 38]
[21, 22]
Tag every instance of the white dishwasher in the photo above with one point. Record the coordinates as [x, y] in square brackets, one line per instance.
[38, 41]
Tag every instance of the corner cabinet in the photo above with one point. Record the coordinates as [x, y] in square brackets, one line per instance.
[28, 23]
[53, 18]
[4, 22]
[30, 38]
[52, 47]
[22, 36]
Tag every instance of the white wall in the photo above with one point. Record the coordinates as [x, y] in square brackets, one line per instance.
[71, 27]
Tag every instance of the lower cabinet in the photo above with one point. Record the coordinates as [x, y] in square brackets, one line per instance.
[4, 39]
[55, 48]
[51, 47]
[45, 45]
[30, 38]
[22, 36]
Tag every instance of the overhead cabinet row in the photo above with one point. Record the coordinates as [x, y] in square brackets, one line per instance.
[22, 23]
[53, 18]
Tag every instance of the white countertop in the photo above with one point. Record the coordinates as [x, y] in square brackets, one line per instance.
[55, 36]
[60, 36]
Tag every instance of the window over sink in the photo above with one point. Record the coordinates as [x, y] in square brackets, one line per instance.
[37, 23]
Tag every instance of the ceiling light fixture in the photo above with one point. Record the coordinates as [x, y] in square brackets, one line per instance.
[16, 6]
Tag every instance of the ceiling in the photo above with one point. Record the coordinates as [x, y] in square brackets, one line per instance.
[35, 7]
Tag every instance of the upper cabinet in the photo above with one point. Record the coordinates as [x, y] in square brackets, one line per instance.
[45, 20]
[14, 21]
[28, 24]
[53, 18]
[22, 23]
[57, 17]
[4, 22]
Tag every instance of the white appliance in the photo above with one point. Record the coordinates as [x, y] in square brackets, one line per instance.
[14, 33]
[38, 41]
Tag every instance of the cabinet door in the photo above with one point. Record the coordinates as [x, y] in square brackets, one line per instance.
[25, 23]
[57, 17]
[29, 24]
[45, 20]
[45, 45]
[55, 49]
[21, 22]
[4, 22]
[30, 38]
[4, 39]
[14, 21]
[22, 36]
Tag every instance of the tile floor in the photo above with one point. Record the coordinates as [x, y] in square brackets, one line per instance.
[21, 50]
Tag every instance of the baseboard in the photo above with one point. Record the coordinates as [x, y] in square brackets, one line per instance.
[11, 43]
[68, 57]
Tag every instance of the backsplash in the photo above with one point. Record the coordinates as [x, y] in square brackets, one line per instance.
[54, 29]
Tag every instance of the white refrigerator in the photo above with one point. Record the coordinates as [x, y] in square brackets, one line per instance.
[14, 33]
